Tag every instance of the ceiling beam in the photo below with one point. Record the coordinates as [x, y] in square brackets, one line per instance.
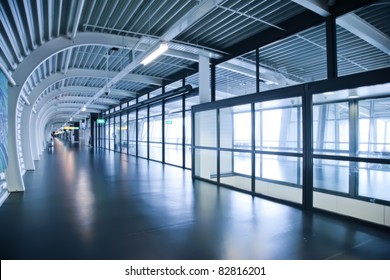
[77, 18]
[319, 7]
[361, 28]
[204, 7]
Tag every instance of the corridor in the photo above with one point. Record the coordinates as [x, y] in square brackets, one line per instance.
[82, 203]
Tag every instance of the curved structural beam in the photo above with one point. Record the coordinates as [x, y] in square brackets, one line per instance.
[22, 73]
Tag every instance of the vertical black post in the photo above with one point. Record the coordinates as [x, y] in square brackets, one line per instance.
[253, 144]
[94, 117]
[331, 47]
[163, 124]
[128, 131]
[136, 130]
[257, 70]
[183, 116]
[218, 146]
[148, 132]
[212, 85]
[120, 133]
[193, 144]
[307, 188]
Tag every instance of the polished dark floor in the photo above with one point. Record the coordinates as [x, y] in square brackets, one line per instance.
[86, 204]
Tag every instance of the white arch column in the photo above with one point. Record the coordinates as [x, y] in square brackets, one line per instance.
[21, 74]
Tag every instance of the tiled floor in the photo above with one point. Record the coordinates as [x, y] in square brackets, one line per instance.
[85, 204]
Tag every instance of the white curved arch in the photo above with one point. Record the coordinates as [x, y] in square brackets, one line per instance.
[22, 73]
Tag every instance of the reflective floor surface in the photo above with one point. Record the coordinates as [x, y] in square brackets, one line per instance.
[82, 203]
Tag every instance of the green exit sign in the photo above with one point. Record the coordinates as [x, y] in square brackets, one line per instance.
[168, 122]
[100, 121]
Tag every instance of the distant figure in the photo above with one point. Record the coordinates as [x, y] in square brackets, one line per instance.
[50, 145]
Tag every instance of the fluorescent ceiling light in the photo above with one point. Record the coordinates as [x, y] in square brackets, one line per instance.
[156, 53]
[83, 109]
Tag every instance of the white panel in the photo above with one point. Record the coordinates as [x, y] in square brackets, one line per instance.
[387, 215]
[285, 192]
[325, 201]
[363, 210]
[279, 191]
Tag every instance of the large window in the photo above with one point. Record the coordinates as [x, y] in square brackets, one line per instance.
[359, 167]
[278, 145]
[224, 149]
[174, 131]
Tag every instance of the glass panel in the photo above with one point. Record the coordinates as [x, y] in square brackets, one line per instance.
[236, 127]
[193, 80]
[279, 125]
[173, 85]
[142, 98]
[189, 102]
[174, 132]
[112, 134]
[279, 177]
[236, 77]
[155, 133]
[331, 128]
[117, 132]
[236, 169]
[294, 60]
[206, 128]
[331, 175]
[142, 127]
[373, 180]
[155, 92]
[132, 126]
[107, 134]
[188, 132]
[206, 164]
[124, 133]
[279, 168]
[374, 128]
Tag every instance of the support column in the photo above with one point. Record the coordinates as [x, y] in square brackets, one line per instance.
[94, 117]
[204, 79]
[34, 136]
[307, 112]
[331, 47]
[26, 140]
[13, 176]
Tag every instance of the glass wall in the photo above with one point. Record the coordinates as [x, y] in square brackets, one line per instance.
[272, 166]
[351, 149]
[155, 132]
[142, 132]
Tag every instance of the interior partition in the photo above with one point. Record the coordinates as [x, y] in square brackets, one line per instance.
[258, 144]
